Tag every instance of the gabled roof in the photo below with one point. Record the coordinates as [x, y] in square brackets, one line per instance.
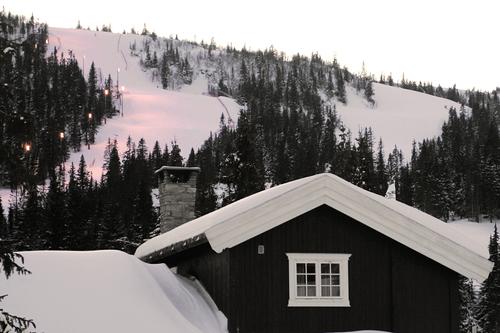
[258, 213]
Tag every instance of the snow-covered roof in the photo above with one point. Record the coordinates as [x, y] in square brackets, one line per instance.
[258, 213]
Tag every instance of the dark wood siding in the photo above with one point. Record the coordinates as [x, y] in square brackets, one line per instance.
[210, 268]
[392, 288]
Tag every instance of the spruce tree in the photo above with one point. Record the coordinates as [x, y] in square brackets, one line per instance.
[175, 157]
[340, 84]
[75, 210]
[55, 214]
[328, 143]
[191, 161]
[4, 228]
[489, 301]
[467, 301]
[164, 71]
[369, 92]
[249, 171]
[382, 179]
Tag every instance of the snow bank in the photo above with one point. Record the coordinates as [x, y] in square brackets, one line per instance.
[107, 291]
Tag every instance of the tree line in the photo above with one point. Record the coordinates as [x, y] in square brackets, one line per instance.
[77, 212]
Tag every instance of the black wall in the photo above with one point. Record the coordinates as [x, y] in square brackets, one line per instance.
[391, 287]
[210, 268]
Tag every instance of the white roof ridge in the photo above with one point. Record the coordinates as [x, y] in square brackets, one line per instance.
[262, 211]
[376, 197]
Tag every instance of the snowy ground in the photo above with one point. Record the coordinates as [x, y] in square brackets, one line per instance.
[480, 232]
[107, 291]
[399, 116]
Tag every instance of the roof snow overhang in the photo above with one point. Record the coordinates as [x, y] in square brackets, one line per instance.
[258, 213]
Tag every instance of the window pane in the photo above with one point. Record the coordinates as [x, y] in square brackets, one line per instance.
[301, 268]
[311, 268]
[336, 291]
[301, 279]
[325, 280]
[311, 279]
[335, 280]
[335, 268]
[325, 268]
[311, 291]
[325, 291]
[301, 291]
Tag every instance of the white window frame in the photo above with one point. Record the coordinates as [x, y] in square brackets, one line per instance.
[319, 258]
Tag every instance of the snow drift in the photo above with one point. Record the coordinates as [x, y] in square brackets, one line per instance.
[108, 291]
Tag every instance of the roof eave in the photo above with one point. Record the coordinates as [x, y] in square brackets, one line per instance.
[172, 249]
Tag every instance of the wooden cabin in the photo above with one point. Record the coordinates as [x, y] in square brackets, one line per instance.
[321, 255]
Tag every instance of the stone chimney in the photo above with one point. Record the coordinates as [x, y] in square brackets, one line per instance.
[177, 188]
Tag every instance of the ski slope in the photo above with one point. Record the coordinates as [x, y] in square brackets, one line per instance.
[107, 291]
[399, 116]
[150, 112]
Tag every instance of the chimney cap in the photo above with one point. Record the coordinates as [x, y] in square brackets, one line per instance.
[177, 168]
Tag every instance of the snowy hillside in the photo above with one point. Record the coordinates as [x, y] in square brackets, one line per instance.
[480, 232]
[188, 115]
[107, 291]
[150, 112]
[399, 116]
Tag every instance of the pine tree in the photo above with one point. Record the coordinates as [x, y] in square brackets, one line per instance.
[328, 144]
[369, 92]
[191, 161]
[175, 157]
[339, 80]
[165, 157]
[75, 211]
[55, 214]
[4, 227]
[329, 87]
[382, 179]
[489, 301]
[249, 171]
[467, 301]
[164, 71]
[111, 190]
[490, 171]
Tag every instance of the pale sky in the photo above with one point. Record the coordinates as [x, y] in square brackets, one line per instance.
[443, 41]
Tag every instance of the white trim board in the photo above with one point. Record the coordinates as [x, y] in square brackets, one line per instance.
[258, 213]
[342, 259]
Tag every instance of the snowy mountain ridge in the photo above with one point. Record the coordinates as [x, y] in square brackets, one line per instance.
[188, 115]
